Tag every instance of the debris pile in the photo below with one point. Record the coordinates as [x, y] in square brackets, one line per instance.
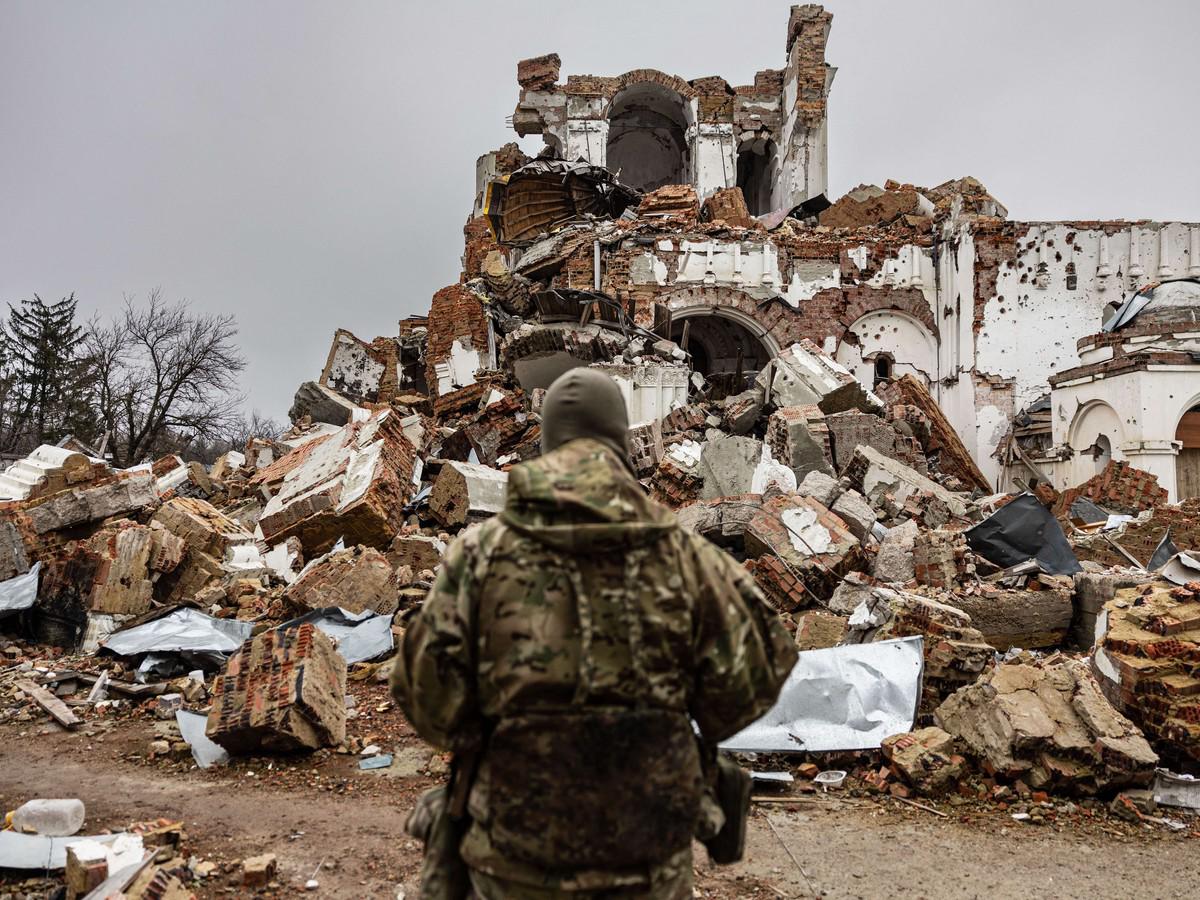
[861, 514]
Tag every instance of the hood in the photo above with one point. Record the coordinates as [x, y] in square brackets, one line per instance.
[581, 497]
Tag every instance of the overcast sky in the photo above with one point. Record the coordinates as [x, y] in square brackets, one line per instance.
[309, 165]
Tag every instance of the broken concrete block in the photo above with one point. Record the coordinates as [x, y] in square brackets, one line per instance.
[812, 541]
[466, 492]
[1092, 591]
[366, 373]
[869, 204]
[784, 587]
[211, 538]
[727, 205]
[823, 488]
[355, 579]
[122, 585]
[723, 520]
[925, 759]
[943, 446]
[955, 652]
[727, 465]
[351, 484]
[852, 428]
[13, 559]
[876, 476]
[500, 427]
[226, 465]
[47, 470]
[458, 341]
[856, 512]
[803, 375]
[942, 559]
[417, 551]
[258, 871]
[1146, 661]
[538, 73]
[122, 495]
[1049, 725]
[1120, 488]
[86, 868]
[894, 559]
[792, 442]
[671, 200]
[282, 691]
[321, 404]
[740, 412]
[817, 629]
[1019, 618]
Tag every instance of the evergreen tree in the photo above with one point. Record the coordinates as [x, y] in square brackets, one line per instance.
[49, 394]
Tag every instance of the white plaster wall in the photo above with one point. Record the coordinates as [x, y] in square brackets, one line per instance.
[714, 158]
[1147, 407]
[909, 342]
[352, 365]
[587, 139]
[803, 157]
[1031, 326]
[458, 369]
[954, 390]
[734, 264]
[650, 392]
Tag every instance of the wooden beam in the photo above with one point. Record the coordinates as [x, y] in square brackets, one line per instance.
[51, 704]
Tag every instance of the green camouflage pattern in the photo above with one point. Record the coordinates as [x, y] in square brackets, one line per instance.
[584, 595]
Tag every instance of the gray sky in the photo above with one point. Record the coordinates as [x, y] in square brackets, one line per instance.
[309, 165]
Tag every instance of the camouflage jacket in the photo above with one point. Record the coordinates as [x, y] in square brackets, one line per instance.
[582, 600]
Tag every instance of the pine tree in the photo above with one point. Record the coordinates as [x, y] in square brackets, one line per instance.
[49, 396]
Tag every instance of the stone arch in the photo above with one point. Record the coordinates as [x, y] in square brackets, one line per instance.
[649, 142]
[861, 299]
[770, 324]
[654, 76]
[897, 335]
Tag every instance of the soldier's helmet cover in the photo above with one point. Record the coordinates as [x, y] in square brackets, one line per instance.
[585, 403]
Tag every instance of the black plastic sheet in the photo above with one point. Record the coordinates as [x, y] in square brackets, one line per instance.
[1023, 530]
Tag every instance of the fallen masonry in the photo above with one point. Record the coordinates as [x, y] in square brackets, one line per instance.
[781, 359]
[281, 691]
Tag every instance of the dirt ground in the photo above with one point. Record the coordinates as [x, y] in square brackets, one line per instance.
[323, 811]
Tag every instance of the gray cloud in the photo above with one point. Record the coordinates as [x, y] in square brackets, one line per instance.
[309, 165]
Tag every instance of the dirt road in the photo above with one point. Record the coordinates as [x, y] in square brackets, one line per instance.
[323, 809]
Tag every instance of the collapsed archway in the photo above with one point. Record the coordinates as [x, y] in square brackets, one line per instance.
[727, 351]
[647, 136]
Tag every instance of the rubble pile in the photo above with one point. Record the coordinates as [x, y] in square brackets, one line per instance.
[1148, 661]
[859, 511]
[235, 598]
[1048, 724]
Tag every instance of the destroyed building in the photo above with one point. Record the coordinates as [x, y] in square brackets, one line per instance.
[936, 282]
[947, 446]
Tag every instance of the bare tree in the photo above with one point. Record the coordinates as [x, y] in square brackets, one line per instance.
[164, 375]
[255, 425]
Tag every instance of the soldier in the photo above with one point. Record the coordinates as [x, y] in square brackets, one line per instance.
[567, 646]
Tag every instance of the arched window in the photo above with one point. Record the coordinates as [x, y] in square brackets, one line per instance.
[884, 366]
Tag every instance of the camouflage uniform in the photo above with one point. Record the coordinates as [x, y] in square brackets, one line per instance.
[574, 638]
